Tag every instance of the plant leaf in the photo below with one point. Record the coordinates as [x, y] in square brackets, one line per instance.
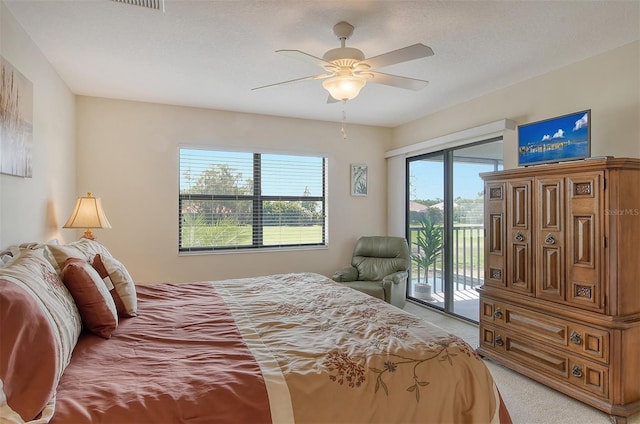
[384, 386]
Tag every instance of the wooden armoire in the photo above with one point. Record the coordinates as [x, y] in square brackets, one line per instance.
[561, 296]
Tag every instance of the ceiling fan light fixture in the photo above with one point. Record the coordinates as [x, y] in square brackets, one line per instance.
[347, 71]
[344, 87]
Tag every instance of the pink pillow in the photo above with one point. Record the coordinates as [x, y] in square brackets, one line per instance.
[29, 352]
[30, 270]
[92, 297]
[118, 280]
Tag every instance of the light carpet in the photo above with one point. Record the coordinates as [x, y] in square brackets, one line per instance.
[528, 401]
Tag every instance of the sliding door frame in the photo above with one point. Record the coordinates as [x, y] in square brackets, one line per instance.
[448, 158]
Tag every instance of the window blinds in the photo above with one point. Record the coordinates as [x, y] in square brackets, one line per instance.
[239, 200]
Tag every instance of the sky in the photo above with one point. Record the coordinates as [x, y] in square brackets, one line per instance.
[304, 171]
[429, 180]
[283, 175]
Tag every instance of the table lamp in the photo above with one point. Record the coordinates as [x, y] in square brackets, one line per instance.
[88, 214]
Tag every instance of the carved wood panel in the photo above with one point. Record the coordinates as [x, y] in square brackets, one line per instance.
[487, 336]
[520, 265]
[550, 239]
[494, 241]
[580, 373]
[519, 255]
[495, 233]
[590, 342]
[534, 325]
[529, 353]
[550, 279]
[487, 309]
[549, 330]
[551, 205]
[583, 240]
[520, 206]
[584, 215]
[589, 377]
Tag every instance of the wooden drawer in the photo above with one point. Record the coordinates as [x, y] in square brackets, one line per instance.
[575, 338]
[558, 364]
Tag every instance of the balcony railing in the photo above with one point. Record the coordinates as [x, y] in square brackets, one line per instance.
[468, 260]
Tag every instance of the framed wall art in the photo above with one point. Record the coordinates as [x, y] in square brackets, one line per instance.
[359, 183]
[16, 121]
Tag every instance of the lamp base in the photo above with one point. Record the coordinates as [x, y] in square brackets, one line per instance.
[88, 234]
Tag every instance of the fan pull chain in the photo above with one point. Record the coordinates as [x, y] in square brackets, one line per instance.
[343, 130]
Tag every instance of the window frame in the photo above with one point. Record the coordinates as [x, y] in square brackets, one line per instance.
[257, 200]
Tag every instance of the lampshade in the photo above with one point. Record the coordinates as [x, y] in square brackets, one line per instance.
[88, 214]
[344, 87]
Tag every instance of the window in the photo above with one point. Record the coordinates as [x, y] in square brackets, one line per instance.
[240, 200]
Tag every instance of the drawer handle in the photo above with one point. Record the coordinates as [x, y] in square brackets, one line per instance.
[576, 371]
[498, 313]
[499, 341]
[575, 338]
[519, 236]
[550, 239]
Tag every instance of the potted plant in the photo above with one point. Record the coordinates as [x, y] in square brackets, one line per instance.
[429, 243]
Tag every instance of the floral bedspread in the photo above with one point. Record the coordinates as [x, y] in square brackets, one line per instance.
[331, 354]
[282, 348]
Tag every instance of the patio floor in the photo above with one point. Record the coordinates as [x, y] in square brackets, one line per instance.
[466, 303]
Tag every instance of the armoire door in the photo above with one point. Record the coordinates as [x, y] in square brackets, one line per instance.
[584, 241]
[550, 239]
[519, 233]
[494, 237]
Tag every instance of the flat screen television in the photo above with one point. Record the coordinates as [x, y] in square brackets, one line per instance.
[566, 137]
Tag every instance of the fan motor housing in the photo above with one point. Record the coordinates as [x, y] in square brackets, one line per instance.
[343, 53]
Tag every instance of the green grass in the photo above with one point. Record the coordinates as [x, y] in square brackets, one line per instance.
[241, 235]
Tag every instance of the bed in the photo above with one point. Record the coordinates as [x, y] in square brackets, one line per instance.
[279, 348]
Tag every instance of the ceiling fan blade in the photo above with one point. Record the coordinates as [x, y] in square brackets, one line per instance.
[312, 77]
[306, 57]
[330, 99]
[398, 81]
[405, 54]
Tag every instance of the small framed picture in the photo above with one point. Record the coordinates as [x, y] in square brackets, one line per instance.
[359, 185]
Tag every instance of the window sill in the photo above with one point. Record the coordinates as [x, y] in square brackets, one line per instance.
[253, 250]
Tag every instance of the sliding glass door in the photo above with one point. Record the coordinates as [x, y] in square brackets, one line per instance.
[445, 225]
[426, 224]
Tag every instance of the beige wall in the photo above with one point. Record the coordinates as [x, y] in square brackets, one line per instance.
[33, 209]
[128, 155]
[608, 84]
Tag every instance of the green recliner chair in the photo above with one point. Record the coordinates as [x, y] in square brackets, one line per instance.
[379, 268]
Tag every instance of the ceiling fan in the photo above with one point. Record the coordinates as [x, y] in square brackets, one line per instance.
[347, 70]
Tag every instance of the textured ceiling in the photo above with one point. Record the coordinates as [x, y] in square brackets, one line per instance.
[211, 53]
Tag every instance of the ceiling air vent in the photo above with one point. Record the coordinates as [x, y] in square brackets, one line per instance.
[150, 4]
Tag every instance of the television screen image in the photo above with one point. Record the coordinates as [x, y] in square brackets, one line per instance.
[558, 139]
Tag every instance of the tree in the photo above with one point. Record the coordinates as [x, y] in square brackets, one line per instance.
[307, 205]
[292, 213]
[220, 179]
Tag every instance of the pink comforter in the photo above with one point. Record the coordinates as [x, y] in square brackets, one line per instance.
[283, 348]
